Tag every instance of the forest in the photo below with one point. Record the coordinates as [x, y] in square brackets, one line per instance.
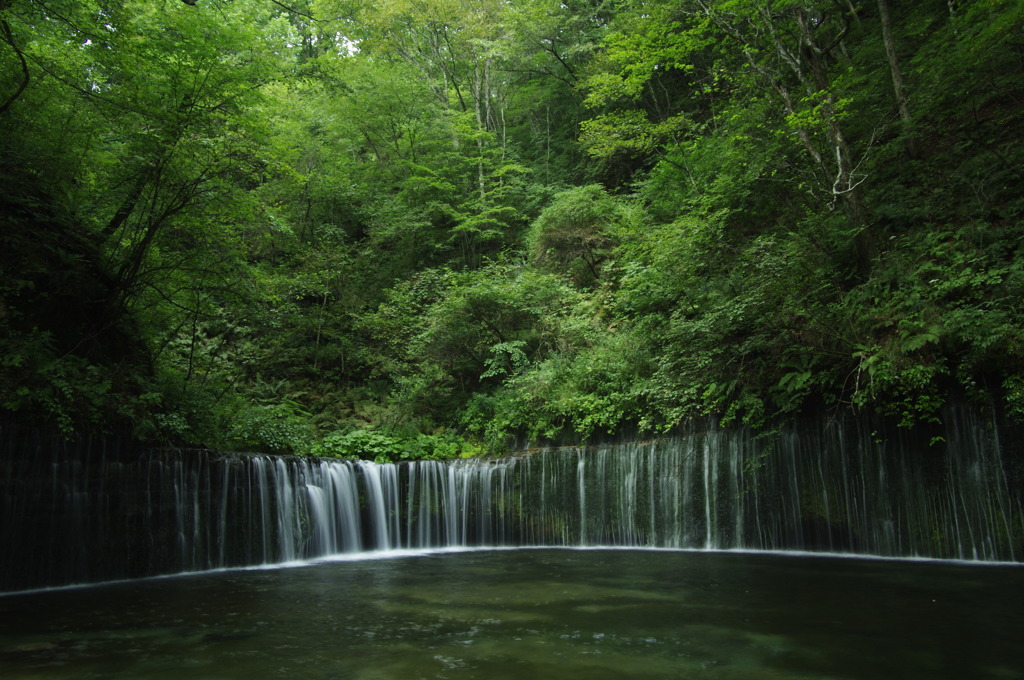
[429, 228]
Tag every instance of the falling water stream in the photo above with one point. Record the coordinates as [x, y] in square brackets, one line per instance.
[99, 513]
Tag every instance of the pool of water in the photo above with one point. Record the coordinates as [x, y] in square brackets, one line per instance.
[518, 614]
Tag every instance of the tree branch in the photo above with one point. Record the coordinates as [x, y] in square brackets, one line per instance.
[290, 9]
[553, 52]
[8, 36]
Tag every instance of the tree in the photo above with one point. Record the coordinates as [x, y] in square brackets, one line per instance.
[576, 233]
[254, 223]
[132, 134]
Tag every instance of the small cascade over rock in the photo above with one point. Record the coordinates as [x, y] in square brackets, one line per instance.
[91, 512]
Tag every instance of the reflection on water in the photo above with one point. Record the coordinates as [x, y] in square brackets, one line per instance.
[521, 614]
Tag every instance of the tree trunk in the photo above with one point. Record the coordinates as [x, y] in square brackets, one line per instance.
[894, 68]
[479, 94]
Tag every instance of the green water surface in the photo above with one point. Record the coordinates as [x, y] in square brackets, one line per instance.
[519, 614]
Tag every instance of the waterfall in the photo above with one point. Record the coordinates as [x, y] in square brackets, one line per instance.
[83, 513]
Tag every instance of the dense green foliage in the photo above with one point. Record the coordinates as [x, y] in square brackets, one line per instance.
[409, 229]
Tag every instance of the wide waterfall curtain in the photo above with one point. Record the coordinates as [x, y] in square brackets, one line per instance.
[91, 511]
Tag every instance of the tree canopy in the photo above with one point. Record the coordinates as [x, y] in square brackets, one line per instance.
[428, 228]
